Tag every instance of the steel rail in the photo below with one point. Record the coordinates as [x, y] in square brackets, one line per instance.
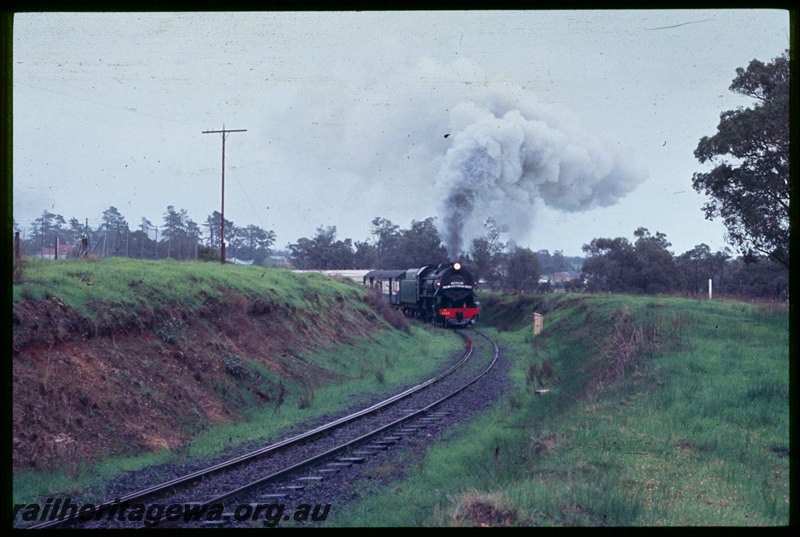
[226, 497]
[327, 427]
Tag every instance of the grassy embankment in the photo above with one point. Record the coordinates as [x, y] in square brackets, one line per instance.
[118, 287]
[162, 297]
[660, 411]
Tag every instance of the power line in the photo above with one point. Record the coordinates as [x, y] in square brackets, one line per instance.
[247, 197]
[123, 108]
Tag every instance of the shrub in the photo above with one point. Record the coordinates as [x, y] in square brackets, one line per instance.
[378, 303]
[169, 331]
[204, 253]
[238, 367]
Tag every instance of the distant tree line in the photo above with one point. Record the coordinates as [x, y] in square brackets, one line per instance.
[390, 247]
[178, 237]
[644, 266]
[647, 267]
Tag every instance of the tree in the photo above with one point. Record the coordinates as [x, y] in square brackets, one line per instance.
[193, 234]
[387, 241]
[484, 260]
[421, 245]
[181, 233]
[116, 230]
[113, 219]
[365, 255]
[698, 265]
[236, 238]
[255, 243]
[749, 184]
[655, 267]
[173, 228]
[46, 228]
[610, 266]
[76, 230]
[759, 277]
[142, 236]
[618, 266]
[487, 253]
[214, 224]
[323, 252]
[523, 270]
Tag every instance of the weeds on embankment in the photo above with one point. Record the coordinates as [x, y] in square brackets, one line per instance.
[404, 360]
[120, 357]
[658, 411]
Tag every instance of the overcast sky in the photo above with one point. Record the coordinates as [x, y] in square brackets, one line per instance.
[563, 126]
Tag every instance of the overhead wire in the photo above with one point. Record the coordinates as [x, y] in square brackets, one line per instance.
[133, 110]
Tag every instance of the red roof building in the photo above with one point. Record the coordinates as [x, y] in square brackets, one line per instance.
[50, 253]
[561, 277]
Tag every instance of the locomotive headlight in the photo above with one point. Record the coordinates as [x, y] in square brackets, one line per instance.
[457, 266]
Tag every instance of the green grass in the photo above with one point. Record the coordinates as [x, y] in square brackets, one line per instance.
[660, 410]
[405, 359]
[116, 289]
[133, 286]
[695, 431]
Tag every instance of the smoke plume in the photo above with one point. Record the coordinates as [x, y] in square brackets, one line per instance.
[502, 160]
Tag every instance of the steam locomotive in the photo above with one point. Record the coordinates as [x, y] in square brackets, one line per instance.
[440, 294]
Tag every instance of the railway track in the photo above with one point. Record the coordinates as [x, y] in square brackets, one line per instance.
[321, 451]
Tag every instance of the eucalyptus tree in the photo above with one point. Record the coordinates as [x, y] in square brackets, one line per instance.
[749, 183]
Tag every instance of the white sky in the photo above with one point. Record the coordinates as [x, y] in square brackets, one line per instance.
[346, 113]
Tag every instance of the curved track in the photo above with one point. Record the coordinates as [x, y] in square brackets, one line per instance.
[292, 464]
[227, 496]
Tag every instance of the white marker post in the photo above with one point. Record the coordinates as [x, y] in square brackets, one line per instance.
[709, 288]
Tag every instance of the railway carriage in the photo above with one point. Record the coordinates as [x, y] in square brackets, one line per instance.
[442, 294]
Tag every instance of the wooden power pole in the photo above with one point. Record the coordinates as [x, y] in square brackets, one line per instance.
[224, 132]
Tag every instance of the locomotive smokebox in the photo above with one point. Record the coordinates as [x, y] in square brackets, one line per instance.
[456, 282]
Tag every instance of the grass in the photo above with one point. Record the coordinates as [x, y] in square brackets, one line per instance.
[168, 294]
[660, 410]
[411, 358]
[694, 430]
[407, 359]
[131, 287]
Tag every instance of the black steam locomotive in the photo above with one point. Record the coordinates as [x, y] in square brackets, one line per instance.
[440, 294]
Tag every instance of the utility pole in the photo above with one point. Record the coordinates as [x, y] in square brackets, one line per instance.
[224, 132]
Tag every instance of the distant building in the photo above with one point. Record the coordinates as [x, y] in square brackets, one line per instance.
[50, 253]
[235, 261]
[279, 261]
[357, 275]
[561, 277]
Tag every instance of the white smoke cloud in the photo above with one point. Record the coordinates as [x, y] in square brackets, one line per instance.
[383, 127]
[503, 159]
